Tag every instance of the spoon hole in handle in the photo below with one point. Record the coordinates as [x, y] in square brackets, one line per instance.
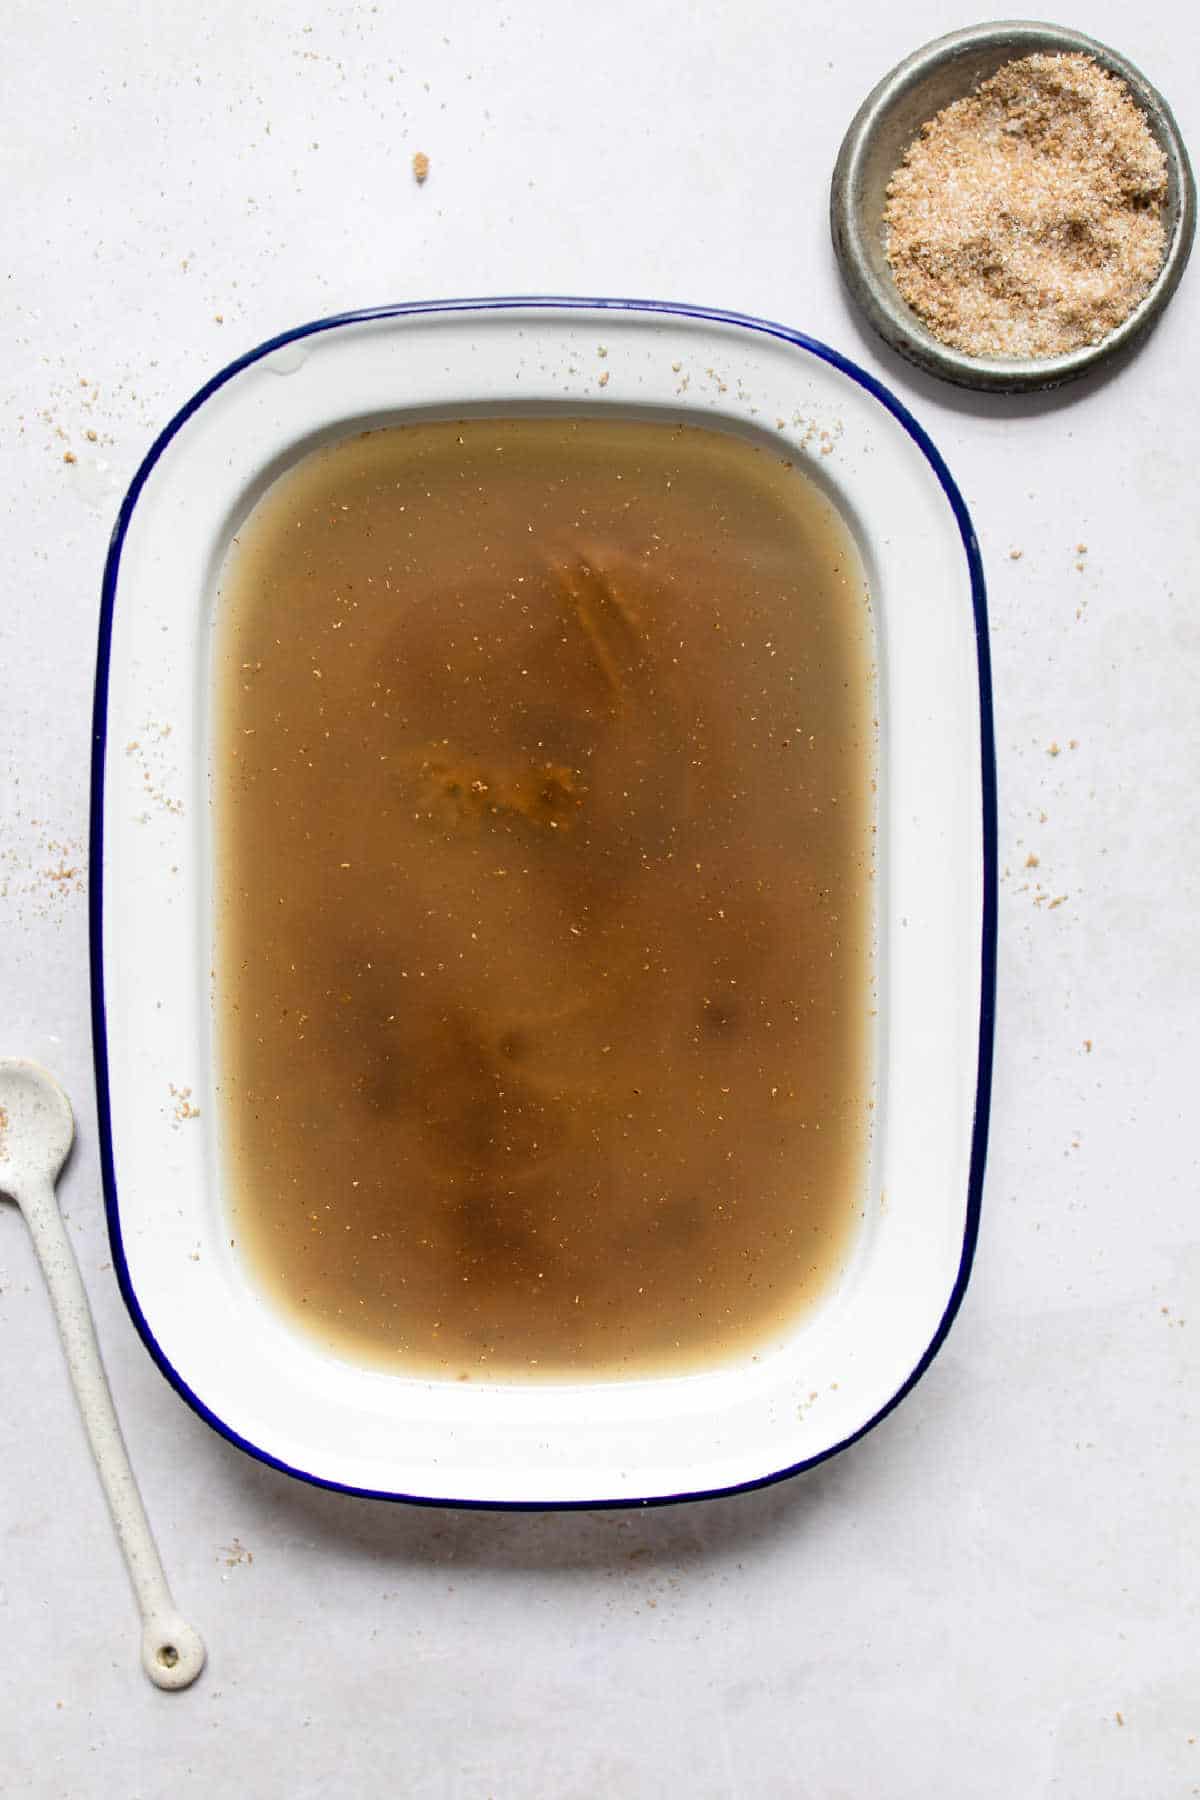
[172, 1651]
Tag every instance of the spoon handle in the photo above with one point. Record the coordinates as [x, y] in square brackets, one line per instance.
[172, 1650]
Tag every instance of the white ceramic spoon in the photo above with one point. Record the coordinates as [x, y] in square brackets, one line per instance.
[36, 1130]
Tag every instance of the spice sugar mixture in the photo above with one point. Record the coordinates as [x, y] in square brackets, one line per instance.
[1027, 219]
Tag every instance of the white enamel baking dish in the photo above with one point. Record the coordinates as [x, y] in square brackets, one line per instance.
[617, 1442]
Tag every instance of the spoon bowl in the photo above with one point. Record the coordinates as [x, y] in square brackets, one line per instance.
[37, 1126]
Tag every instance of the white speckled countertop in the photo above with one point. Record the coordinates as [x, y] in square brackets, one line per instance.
[995, 1594]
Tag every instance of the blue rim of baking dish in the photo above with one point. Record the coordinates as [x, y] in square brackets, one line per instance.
[987, 992]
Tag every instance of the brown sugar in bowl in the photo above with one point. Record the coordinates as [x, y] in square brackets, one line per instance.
[886, 124]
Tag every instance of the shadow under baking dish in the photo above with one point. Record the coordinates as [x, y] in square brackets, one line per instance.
[571, 1443]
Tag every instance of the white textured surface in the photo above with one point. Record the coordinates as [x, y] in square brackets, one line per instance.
[965, 1602]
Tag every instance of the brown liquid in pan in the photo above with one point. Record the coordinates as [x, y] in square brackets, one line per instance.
[543, 773]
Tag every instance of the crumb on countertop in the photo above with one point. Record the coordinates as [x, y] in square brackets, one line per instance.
[420, 168]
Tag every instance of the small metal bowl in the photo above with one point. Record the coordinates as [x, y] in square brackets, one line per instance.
[881, 131]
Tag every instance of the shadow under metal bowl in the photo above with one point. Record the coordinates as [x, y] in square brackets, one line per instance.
[882, 130]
